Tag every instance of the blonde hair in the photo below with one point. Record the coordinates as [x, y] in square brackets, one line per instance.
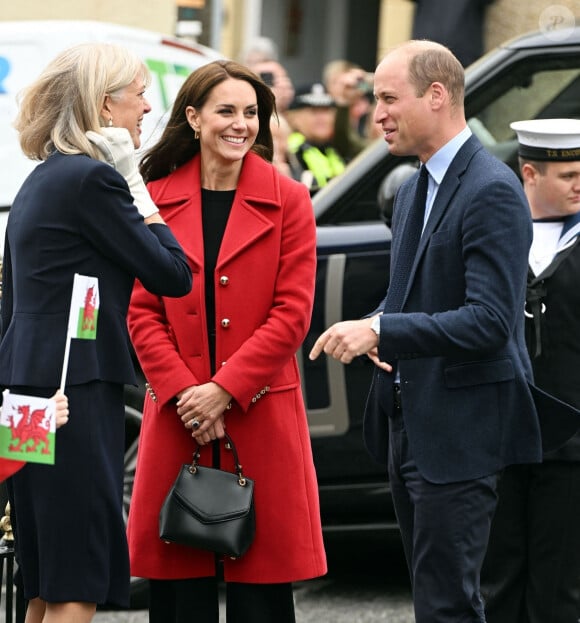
[66, 100]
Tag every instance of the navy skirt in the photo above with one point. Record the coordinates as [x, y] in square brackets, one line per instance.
[67, 518]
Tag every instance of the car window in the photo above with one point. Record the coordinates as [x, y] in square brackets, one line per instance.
[544, 94]
[551, 93]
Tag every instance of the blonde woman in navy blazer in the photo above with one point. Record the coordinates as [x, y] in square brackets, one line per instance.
[76, 214]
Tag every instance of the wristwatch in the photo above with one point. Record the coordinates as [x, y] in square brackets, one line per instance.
[376, 325]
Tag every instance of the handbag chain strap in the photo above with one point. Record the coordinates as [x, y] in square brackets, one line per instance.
[229, 446]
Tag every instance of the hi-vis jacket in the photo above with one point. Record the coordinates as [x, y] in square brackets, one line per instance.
[322, 162]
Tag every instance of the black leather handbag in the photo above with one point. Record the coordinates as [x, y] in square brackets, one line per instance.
[209, 508]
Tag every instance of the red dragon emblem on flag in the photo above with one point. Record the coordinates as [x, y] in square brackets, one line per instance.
[31, 428]
[88, 322]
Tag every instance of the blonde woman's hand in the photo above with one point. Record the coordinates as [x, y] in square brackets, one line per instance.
[61, 411]
[116, 147]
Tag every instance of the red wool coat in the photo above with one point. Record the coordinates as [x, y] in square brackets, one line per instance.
[264, 282]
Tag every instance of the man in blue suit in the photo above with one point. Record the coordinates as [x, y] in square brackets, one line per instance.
[450, 404]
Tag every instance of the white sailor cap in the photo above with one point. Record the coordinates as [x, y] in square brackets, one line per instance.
[548, 139]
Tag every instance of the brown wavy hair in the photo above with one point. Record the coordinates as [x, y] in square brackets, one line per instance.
[177, 144]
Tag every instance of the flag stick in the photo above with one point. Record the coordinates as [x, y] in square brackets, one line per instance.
[68, 338]
[65, 363]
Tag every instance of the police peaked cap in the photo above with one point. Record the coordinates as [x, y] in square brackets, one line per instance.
[312, 96]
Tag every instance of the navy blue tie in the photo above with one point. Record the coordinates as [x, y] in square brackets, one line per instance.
[408, 246]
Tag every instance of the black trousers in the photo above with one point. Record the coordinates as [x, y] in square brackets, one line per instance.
[445, 529]
[531, 572]
[196, 601]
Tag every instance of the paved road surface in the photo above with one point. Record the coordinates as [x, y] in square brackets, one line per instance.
[366, 584]
[324, 601]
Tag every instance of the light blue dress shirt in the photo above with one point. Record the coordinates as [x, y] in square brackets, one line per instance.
[438, 164]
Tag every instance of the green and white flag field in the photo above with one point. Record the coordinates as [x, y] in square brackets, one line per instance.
[27, 427]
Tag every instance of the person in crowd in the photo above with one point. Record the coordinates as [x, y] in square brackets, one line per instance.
[276, 77]
[8, 467]
[225, 355]
[259, 50]
[311, 116]
[450, 404]
[351, 87]
[261, 56]
[283, 159]
[532, 566]
[76, 213]
[457, 24]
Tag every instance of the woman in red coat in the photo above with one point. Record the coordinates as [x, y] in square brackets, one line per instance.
[224, 356]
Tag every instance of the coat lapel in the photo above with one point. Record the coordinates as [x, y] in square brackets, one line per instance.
[179, 197]
[257, 193]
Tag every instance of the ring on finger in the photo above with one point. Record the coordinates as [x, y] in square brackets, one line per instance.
[195, 423]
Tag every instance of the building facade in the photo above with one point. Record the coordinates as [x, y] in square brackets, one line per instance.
[309, 33]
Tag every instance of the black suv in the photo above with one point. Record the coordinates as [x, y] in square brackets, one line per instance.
[537, 75]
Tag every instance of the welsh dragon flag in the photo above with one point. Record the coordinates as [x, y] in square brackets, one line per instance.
[84, 308]
[27, 427]
[83, 315]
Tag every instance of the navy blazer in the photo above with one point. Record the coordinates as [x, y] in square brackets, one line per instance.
[76, 214]
[459, 341]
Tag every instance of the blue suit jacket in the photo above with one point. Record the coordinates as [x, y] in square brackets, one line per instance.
[459, 340]
[75, 214]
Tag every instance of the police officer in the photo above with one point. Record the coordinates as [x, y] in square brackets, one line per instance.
[312, 118]
[532, 570]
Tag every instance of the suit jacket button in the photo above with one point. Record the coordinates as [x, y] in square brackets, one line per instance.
[225, 323]
[224, 280]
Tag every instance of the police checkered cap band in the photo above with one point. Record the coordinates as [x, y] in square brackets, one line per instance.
[312, 96]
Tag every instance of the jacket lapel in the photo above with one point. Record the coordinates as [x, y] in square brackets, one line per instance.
[447, 189]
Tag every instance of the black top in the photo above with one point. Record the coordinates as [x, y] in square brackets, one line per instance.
[215, 210]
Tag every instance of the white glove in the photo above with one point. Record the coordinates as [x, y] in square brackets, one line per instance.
[117, 149]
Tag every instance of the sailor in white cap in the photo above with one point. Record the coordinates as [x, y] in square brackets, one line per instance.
[532, 568]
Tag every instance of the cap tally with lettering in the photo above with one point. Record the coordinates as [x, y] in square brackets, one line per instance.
[548, 139]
